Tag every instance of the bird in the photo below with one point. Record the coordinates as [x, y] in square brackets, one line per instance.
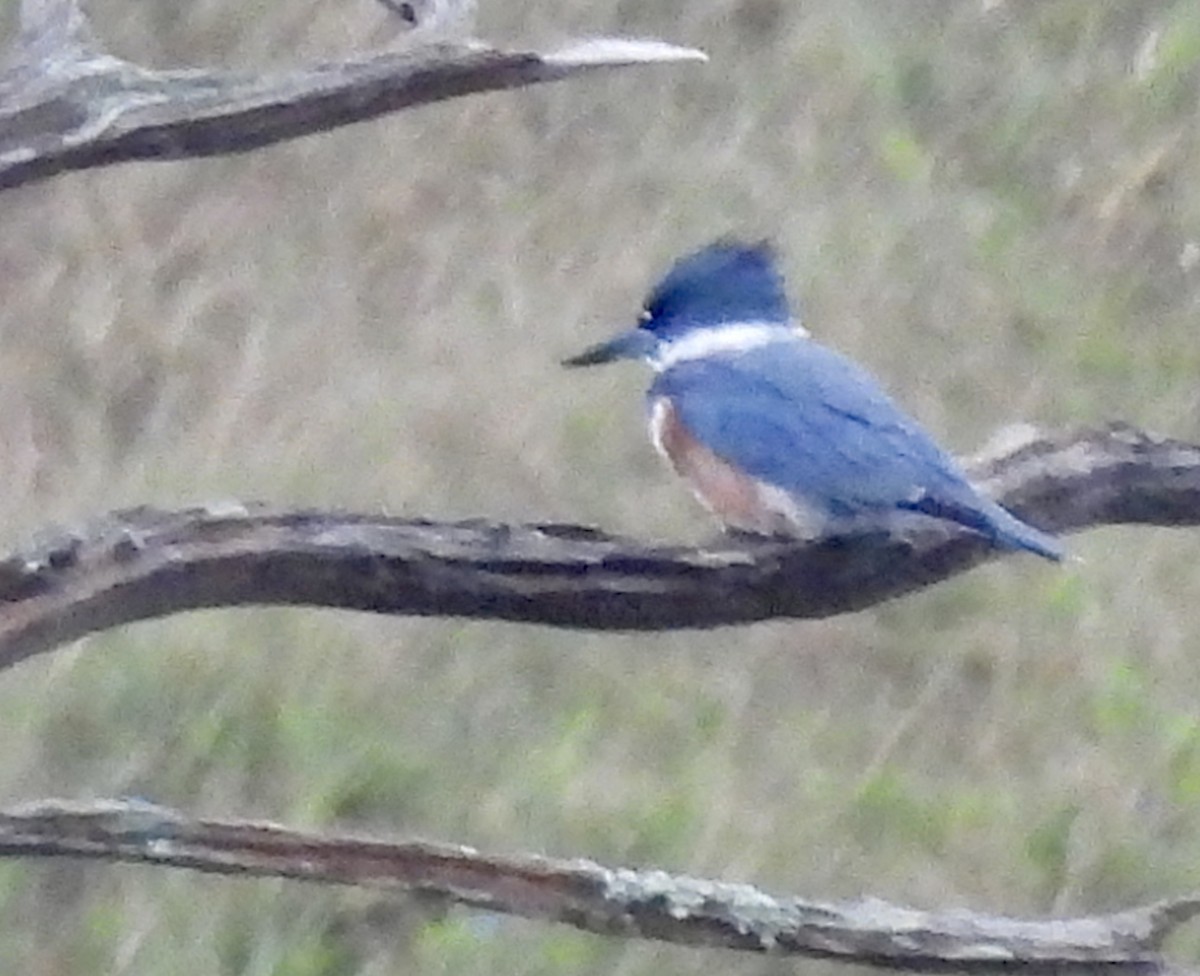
[777, 434]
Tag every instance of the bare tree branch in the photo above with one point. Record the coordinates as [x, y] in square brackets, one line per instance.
[622, 902]
[144, 563]
[65, 105]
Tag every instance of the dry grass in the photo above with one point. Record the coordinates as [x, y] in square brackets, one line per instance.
[993, 205]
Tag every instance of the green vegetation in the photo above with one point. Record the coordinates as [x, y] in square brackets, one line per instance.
[995, 205]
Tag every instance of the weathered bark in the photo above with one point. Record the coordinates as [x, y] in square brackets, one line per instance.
[67, 105]
[145, 563]
[607, 901]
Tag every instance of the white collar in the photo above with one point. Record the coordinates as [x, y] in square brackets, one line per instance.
[734, 337]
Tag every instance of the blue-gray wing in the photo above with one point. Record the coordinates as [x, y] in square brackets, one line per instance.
[806, 419]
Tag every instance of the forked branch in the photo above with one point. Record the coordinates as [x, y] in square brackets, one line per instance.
[629, 903]
[66, 105]
[144, 563]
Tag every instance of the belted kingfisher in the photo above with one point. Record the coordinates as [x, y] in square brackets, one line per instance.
[779, 435]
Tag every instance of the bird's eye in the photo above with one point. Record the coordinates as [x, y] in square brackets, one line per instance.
[408, 12]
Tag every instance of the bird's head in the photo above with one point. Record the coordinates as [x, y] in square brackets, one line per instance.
[723, 294]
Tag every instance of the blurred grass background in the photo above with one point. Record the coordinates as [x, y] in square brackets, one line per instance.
[994, 205]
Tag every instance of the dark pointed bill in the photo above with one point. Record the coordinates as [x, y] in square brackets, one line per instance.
[633, 344]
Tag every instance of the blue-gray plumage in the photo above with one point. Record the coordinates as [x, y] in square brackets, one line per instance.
[776, 433]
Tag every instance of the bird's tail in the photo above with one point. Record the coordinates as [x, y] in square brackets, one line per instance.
[997, 523]
[1010, 532]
